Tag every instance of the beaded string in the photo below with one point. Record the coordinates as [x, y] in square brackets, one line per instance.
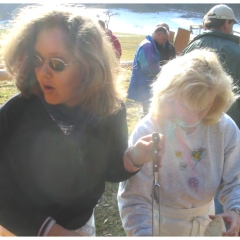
[189, 159]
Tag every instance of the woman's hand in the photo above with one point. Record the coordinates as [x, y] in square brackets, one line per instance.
[142, 152]
[232, 219]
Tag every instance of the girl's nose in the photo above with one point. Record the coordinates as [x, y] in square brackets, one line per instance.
[201, 114]
[194, 117]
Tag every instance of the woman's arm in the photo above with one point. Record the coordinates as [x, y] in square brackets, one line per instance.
[134, 195]
[229, 194]
[135, 203]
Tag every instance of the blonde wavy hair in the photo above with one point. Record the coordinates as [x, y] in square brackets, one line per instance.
[189, 78]
[86, 42]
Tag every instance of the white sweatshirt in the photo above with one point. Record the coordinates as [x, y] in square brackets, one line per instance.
[219, 167]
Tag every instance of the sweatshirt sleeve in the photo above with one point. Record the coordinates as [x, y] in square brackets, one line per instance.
[134, 202]
[134, 195]
[229, 194]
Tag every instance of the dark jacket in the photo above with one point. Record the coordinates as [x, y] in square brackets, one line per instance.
[228, 49]
[146, 66]
[167, 52]
[44, 174]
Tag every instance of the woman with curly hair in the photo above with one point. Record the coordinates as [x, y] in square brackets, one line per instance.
[65, 134]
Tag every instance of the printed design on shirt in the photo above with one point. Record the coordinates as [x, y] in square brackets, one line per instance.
[183, 166]
[197, 154]
[178, 153]
[193, 182]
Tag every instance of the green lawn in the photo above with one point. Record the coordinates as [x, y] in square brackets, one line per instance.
[129, 43]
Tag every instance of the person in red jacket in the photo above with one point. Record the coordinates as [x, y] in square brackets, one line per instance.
[114, 40]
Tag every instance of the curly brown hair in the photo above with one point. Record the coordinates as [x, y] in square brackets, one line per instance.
[86, 41]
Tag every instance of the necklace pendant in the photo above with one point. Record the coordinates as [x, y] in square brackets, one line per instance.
[193, 182]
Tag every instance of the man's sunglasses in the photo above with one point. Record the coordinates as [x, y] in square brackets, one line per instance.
[55, 64]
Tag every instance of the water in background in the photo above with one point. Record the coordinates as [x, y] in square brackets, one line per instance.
[142, 23]
[126, 21]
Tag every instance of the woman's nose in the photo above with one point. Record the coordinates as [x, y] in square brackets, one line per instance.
[45, 69]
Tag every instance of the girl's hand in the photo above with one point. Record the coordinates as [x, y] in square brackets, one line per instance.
[142, 151]
[232, 219]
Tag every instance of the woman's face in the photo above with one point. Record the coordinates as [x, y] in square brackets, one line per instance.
[191, 117]
[58, 87]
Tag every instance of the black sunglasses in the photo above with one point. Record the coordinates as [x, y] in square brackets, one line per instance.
[55, 64]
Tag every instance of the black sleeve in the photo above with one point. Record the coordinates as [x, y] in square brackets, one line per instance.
[17, 213]
[118, 142]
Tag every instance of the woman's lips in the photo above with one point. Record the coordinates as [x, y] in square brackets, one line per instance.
[48, 89]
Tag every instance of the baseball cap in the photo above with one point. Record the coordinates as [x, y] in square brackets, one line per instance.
[221, 12]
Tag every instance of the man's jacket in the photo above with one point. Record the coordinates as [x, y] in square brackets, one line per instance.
[228, 49]
[145, 68]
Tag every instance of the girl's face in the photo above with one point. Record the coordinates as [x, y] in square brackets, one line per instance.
[59, 86]
[192, 117]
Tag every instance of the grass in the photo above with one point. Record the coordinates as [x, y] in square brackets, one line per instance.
[129, 43]
[7, 89]
[108, 222]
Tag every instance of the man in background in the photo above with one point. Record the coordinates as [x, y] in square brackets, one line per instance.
[167, 50]
[146, 66]
[114, 40]
[218, 36]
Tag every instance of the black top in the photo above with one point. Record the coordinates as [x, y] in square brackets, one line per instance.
[167, 52]
[44, 174]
